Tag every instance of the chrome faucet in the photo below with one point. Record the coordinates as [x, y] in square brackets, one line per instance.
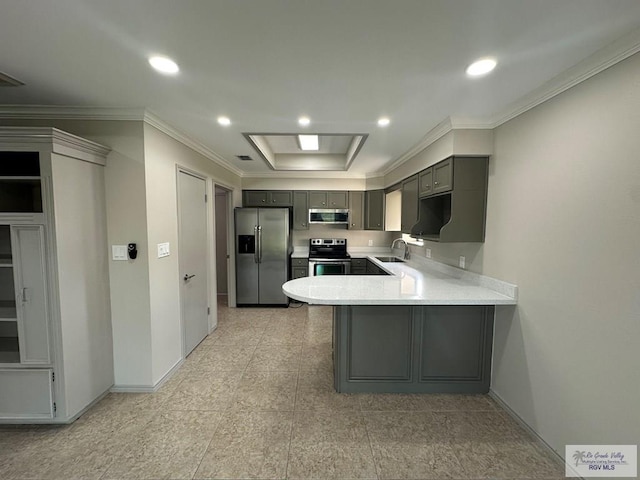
[406, 247]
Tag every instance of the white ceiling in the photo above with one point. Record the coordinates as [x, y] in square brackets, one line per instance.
[264, 63]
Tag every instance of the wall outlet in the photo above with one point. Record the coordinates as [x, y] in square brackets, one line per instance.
[163, 250]
[427, 253]
[371, 243]
[462, 261]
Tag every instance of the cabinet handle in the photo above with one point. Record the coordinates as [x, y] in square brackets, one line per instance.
[23, 295]
[187, 277]
[273, 201]
[436, 183]
[263, 200]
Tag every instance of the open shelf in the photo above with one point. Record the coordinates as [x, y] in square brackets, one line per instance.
[9, 350]
[8, 311]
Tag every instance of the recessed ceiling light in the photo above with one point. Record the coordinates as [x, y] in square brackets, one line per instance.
[308, 142]
[304, 121]
[383, 122]
[481, 67]
[224, 121]
[164, 65]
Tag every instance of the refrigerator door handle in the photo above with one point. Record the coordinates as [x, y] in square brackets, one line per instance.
[259, 246]
[256, 247]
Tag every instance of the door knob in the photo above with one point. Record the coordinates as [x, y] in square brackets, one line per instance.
[188, 277]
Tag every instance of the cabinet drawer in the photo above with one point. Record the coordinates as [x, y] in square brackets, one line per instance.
[299, 272]
[358, 262]
[300, 262]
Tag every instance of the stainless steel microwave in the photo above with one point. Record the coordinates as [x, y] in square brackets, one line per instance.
[329, 215]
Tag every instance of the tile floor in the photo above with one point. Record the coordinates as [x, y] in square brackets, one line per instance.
[255, 401]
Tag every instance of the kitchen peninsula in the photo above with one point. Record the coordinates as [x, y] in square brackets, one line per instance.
[424, 328]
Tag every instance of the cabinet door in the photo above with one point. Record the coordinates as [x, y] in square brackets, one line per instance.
[26, 393]
[356, 210]
[337, 199]
[31, 292]
[443, 176]
[425, 180]
[409, 215]
[374, 210]
[280, 198]
[254, 198]
[300, 210]
[318, 200]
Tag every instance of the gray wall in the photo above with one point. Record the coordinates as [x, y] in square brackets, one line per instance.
[563, 223]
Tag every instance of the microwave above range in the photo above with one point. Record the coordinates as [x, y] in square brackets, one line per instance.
[330, 216]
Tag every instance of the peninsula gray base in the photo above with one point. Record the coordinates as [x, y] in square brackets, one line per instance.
[412, 349]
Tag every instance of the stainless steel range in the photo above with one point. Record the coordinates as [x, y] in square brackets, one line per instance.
[328, 256]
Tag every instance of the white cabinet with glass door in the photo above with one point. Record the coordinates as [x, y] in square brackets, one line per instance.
[46, 374]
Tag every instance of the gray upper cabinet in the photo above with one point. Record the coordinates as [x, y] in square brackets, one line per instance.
[318, 199]
[374, 210]
[267, 198]
[300, 210]
[409, 214]
[356, 210]
[443, 176]
[337, 199]
[425, 182]
[456, 209]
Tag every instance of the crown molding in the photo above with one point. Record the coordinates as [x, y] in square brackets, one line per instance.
[604, 58]
[60, 142]
[306, 174]
[58, 112]
[153, 120]
[432, 136]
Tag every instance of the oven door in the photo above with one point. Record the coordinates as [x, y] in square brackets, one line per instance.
[329, 267]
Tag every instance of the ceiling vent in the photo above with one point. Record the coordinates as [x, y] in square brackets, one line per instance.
[7, 81]
[244, 158]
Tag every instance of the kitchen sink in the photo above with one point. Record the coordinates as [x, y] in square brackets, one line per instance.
[390, 259]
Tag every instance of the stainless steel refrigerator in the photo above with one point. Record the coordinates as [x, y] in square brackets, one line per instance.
[262, 255]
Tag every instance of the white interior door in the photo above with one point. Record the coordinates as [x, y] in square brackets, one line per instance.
[193, 259]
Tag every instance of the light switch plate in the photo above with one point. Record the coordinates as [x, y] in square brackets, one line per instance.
[119, 252]
[371, 243]
[462, 261]
[163, 250]
[427, 253]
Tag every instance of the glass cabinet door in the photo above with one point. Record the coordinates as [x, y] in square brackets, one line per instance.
[24, 331]
[9, 348]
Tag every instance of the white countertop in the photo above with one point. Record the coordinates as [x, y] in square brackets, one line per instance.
[416, 282]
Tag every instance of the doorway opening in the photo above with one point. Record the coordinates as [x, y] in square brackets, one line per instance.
[223, 215]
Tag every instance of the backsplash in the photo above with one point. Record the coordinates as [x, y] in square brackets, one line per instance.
[355, 238]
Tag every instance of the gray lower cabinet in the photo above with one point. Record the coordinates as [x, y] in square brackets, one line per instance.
[412, 349]
[359, 266]
[374, 210]
[299, 268]
[300, 210]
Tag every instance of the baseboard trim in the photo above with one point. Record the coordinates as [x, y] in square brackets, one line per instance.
[541, 441]
[148, 388]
